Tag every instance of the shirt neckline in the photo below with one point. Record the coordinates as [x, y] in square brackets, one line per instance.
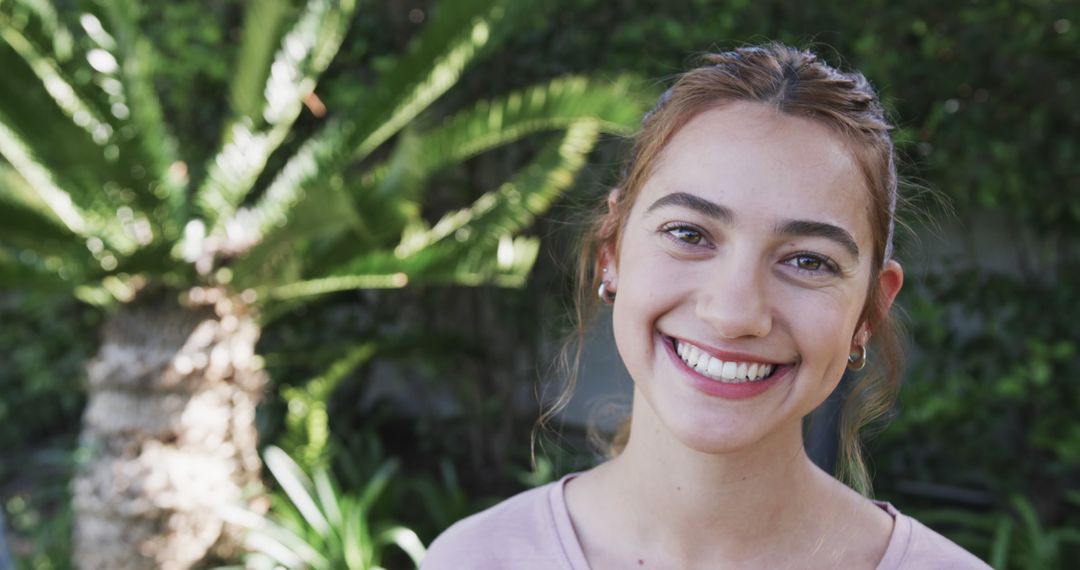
[575, 554]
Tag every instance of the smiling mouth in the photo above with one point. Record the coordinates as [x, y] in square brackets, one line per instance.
[726, 371]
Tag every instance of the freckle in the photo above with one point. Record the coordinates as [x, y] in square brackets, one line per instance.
[678, 488]
[640, 562]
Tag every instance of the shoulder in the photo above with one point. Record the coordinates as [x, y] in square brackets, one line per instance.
[914, 545]
[516, 533]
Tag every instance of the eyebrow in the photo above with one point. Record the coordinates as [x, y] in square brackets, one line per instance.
[686, 200]
[787, 228]
[819, 229]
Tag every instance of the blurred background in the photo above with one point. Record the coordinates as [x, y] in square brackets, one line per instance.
[282, 282]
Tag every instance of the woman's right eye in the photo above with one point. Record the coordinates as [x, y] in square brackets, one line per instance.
[689, 235]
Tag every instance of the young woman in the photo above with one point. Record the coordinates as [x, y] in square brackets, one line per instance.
[747, 256]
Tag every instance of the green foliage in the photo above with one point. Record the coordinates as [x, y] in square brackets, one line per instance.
[45, 343]
[36, 504]
[992, 366]
[307, 421]
[274, 195]
[983, 92]
[988, 406]
[982, 89]
[1012, 538]
[315, 525]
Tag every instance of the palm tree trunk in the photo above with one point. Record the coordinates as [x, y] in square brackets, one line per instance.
[168, 433]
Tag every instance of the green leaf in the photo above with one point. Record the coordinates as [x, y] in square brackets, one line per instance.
[28, 121]
[377, 484]
[434, 63]
[250, 139]
[999, 553]
[552, 106]
[315, 287]
[406, 540]
[505, 211]
[272, 540]
[297, 487]
[156, 148]
[26, 227]
[464, 247]
[260, 36]
[328, 497]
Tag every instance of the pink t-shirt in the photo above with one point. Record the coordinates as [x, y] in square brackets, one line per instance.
[532, 531]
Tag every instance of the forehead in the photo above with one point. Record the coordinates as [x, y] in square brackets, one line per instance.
[764, 165]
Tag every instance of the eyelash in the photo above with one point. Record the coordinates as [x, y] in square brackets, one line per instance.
[827, 264]
[672, 231]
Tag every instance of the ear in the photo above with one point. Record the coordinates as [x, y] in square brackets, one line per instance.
[890, 281]
[612, 199]
[607, 257]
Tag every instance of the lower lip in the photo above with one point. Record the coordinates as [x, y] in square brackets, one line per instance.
[728, 391]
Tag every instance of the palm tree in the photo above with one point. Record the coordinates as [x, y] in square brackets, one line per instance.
[96, 201]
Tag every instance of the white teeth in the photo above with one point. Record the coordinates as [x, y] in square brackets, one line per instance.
[729, 372]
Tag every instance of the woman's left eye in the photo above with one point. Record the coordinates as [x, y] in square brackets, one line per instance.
[811, 263]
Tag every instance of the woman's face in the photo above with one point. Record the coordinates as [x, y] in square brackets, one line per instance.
[742, 271]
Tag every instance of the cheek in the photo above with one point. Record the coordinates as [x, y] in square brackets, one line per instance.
[646, 293]
[823, 325]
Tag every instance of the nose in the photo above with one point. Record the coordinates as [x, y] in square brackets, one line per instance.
[734, 301]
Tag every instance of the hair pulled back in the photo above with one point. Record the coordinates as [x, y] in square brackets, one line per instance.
[797, 83]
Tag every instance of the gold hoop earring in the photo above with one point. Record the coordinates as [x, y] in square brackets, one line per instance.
[857, 359]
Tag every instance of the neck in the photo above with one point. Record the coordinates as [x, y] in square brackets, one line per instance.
[735, 504]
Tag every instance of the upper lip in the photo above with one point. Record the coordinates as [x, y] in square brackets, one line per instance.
[728, 355]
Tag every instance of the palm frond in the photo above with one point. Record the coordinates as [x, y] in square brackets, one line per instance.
[506, 210]
[547, 107]
[27, 27]
[550, 106]
[42, 178]
[314, 287]
[281, 256]
[109, 105]
[15, 188]
[473, 245]
[260, 36]
[389, 194]
[305, 52]
[57, 136]
[26, 227]
[154, 146]
[434, 63]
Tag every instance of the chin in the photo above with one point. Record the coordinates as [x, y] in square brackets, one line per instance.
[702, 428]
[715, 440]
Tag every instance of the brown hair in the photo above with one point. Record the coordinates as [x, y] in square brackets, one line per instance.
[797, 83]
